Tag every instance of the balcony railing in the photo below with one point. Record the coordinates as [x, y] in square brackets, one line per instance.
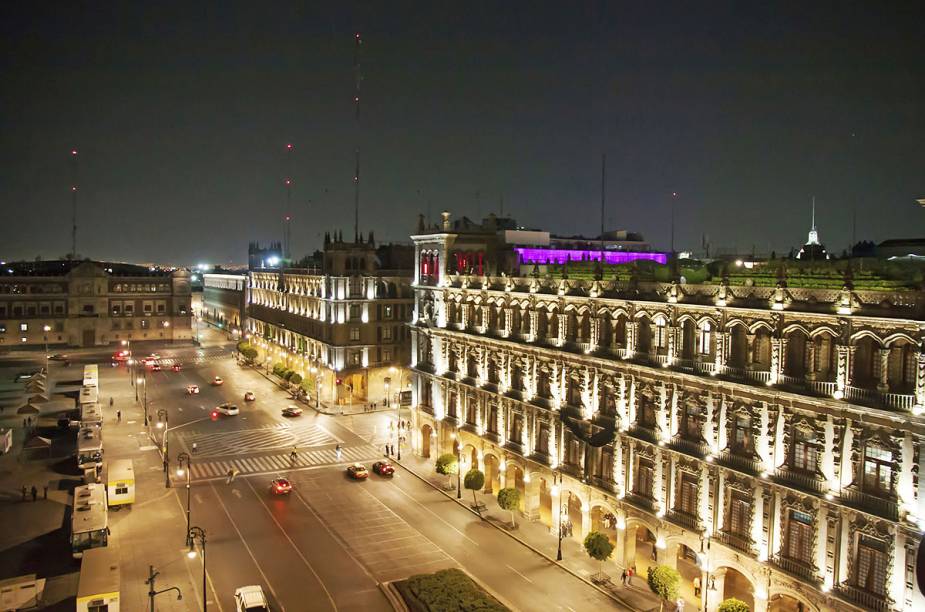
[737, 541]
[795, 567]
[684, 519]
[875, 504]
[640, 501]
[758, 375]
[864, 598]
[746, 465]
[800, 480]
[706, 367]
[688, 447]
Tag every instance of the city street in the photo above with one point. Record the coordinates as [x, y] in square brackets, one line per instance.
[329, 544]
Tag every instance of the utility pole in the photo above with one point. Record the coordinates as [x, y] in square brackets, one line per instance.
[74, 181]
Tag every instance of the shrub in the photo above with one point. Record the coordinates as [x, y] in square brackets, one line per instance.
[250, 353]
[287, 374]
[598, 547]
[474, 481]
[733, 605]
[296, 378]
[452, 589]
[509, 499]
[446, 464]
[665, 582]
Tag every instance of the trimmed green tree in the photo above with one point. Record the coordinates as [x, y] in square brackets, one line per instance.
[665, 582]
[250, 354]
[509, 499]
[296, 378]
[447, 465]
[287, 375]
[599, 548]
[474, 481]
[733, 605]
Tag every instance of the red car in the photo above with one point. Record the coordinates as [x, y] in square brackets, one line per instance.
[384, 468]
[176, 367]
[280, 486]
[156, 367]
[357, 471]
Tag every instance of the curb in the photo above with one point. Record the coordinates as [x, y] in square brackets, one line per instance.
[517, 539]
[395, 599]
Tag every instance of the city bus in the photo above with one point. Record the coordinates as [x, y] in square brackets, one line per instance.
[99, 585]
[89, 448]
[91, 415]
[89, 395]
[91, 375]
[89, 519]
[120, 482]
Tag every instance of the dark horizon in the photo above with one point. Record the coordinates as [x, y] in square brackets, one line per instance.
[181, 117]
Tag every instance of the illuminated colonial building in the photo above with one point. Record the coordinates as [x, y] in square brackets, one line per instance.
[90, 303]
[764, 439]
[343, 324]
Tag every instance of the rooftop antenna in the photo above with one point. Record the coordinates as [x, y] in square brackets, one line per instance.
[674, 199]
[358, 79]
[74, 181]
[287, 254]
[603, 200]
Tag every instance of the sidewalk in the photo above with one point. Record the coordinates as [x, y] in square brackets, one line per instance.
[536, 536]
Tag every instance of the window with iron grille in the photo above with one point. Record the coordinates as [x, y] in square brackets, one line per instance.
[878, 469]
[870, 565]
[804, 450]
[799, 538]
[659, 335]
[742, 433]
[573, 450]
[573, 393]
[645, 417]
[692, 423]
[493, 419]
[471, 408]
[704, 340]
[542, 439]
[737, 517]
[687, 494]
[517, 428]
[645, 473]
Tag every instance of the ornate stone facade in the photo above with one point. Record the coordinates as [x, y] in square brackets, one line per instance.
[776, 432]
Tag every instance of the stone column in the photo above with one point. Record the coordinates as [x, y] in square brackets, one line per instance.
[563, 328]
[508, 320]
[843, 367]
[532, 498]
[883, 385]
[749, 350]
[464, 310]
[720, 350]
[715, 587]
[672, 349]
[595, 339]
[920, 379]
[810, 359]
[534, 325]
[630, 338]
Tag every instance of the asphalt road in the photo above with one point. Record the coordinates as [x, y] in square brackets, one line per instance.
[330, 543]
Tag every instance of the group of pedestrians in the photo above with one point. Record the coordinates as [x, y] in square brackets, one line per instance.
[34, 492]
[371, 407]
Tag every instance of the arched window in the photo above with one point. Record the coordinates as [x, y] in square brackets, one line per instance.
[705, 338]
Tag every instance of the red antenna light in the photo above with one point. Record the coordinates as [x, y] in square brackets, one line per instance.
[288, 218]
[73, 151]
[73, 188]
[674, 194]
[288, 181]
[289, 146]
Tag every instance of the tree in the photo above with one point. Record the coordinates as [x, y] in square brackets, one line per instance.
[733, 605]
[296, 378]
[447, 465]
[599, 548]
[287, 374]
[665, 582]
[509, 499]
[474, 481]
[250, 354]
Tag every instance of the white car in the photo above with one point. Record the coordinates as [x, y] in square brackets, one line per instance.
[192, 389]
[227, 409]
[249, 396]
[250, 599]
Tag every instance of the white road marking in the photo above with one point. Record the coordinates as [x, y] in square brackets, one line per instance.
[519, 574]
[294, 547]
[440, 518]
[247, 547]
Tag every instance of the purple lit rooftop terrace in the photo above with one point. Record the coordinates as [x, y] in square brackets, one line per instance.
[561, 256]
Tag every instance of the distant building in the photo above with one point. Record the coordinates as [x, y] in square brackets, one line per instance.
[345, 320]
[91, 303]
[813, 250]
[904, 247]
[224, 300]
[259, 258]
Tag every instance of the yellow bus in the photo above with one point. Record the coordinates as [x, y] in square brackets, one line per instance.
[99, 584]
[120, 482]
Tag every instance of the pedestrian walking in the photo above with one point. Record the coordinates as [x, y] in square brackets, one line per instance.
[623, 577]
[118, 416]
[110, 402]
[45, 492]
[24, 492]
[293, 454]
[35, 493]
[696, 586]
[337, 450]
[194, 448]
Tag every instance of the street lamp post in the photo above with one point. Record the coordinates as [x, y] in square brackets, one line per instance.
[46, 329]
[163, 424]
[559, 549]
[181, 459]
[458, 448]
[197, 533]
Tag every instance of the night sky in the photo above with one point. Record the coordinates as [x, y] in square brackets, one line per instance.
[181, 116]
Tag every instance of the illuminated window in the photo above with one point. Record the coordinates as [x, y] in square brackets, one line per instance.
[703, 341]
[878, 469]
[23, 327]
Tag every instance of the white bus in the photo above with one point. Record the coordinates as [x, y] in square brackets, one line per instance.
[91, 415]
[89, 519]
[99, 586]
[89, 447]
[91, 375]
[120, 482]
[89, 395]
